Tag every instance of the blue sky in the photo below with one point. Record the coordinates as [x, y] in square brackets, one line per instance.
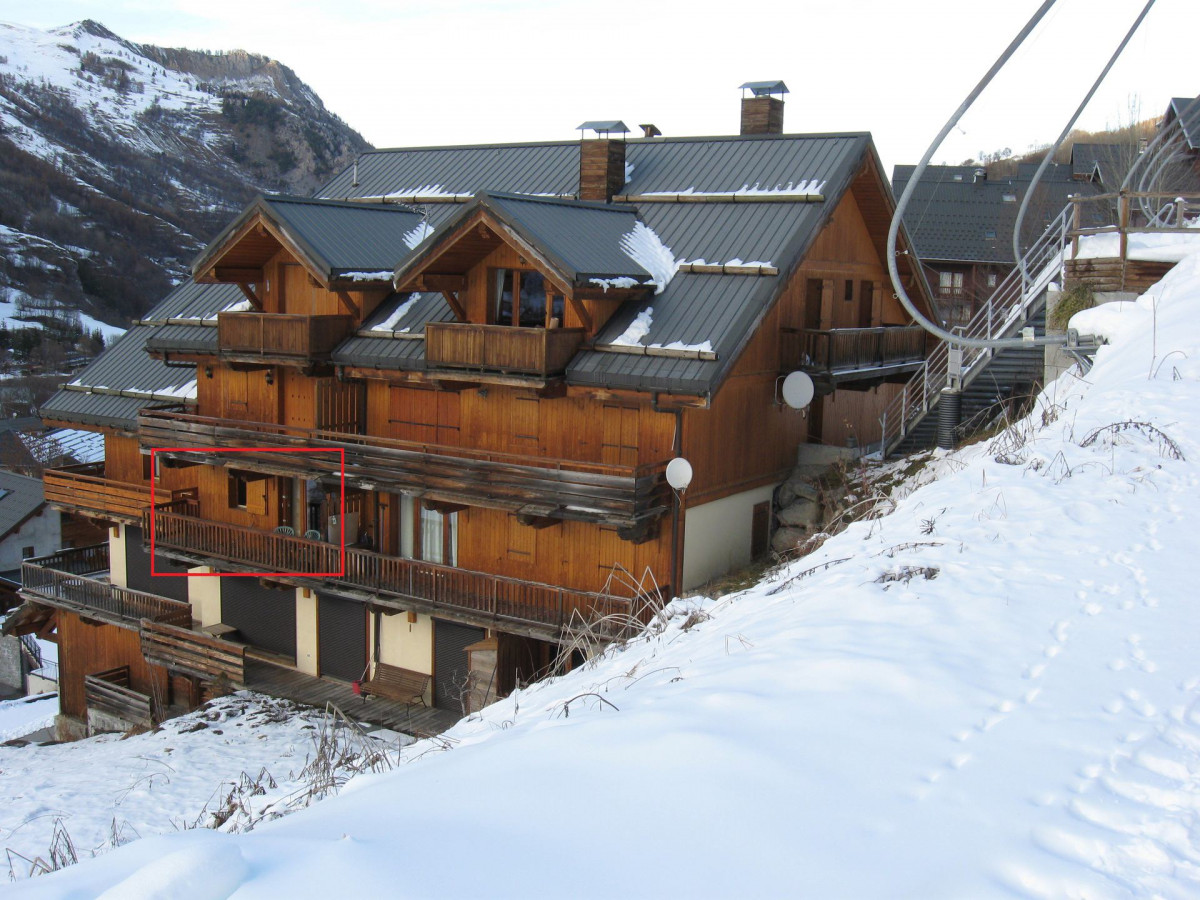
[460, 71]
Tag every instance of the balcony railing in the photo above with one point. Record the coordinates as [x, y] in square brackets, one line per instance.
[842, 351]
[60, 580]
[85, 490]
[109, 693]
[540, 609]
[622, 496]
[501, 348]
[280, 334]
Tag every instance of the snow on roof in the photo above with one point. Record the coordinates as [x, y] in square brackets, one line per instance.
[638, 329]
[397, 316]
[418, 234]
[645, 248]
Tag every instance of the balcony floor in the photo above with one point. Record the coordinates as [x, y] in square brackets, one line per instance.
[280, 681]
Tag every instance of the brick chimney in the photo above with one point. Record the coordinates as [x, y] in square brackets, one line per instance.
[602, 161]
[762, 110]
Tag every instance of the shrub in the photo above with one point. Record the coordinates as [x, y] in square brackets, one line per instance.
[1074, 299]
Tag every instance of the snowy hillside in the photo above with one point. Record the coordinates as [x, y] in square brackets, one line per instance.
[118, 160]
[993, 691]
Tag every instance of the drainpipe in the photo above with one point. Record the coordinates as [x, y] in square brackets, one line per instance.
[677, 511]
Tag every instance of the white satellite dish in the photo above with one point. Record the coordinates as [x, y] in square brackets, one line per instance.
[679, 473]
[798, 390]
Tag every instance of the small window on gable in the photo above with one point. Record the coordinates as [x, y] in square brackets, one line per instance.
[991, 279]
[27, 552]
[848, 291]
[520, 297]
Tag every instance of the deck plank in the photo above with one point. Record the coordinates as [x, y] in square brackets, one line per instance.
[280, 681]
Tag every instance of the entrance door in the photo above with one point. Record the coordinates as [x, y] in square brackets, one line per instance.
[450, 671]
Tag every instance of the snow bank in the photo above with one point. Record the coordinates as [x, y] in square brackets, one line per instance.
[26, 715]
[991, 692]
[1170, 247]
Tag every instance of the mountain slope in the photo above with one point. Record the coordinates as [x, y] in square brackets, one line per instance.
[992, 691]
[118, 160]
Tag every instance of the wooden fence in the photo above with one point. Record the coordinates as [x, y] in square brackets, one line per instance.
[109, 692]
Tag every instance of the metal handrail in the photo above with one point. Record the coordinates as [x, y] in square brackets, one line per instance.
[1007, 305]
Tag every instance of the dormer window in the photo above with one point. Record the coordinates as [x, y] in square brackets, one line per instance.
[520, 298]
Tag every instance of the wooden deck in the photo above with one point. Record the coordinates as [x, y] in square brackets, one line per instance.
[280, 681]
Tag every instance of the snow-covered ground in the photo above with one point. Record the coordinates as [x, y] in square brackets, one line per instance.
[25, 715]
[991, 692]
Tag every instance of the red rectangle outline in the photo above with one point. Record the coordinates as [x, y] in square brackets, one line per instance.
[340, 451]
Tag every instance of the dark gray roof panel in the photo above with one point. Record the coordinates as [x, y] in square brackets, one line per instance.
[195, 301]
[551, 168]
[125, 366]
[583, 238]
[389, 352]
[1187, 111]
[20, 497]
[972, 221]
[102, 410]
[187, 338]
[348, 237]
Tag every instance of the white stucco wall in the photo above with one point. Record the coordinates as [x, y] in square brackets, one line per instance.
[116, 556]
[716, 536]
[307, 660]
[43, 532]
[204, 593]
[408, 645]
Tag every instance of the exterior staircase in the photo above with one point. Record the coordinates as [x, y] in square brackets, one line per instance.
[989, 377]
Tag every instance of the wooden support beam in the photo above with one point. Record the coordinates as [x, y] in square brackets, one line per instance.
[452, 299]
[645, 530]
[443, 506]
[580, 310]
[538, 522]
[250, 295]
[236, 276]
[433, 281]
[347, 302]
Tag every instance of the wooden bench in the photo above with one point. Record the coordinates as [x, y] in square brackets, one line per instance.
[394, 683]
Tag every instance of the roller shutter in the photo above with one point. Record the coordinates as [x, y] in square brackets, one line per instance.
[450, 642]
[342, 637]
[137, 570]
[265, 617]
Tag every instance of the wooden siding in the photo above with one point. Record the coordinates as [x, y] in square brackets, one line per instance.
[95, 648]
[574, 428]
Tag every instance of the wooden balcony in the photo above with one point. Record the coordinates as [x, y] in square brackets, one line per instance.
[65, 580]
[521, 607]
[85, 490]
[501, 348]
[842, 355]
[280, 337]
[193, 653]
[627, 497]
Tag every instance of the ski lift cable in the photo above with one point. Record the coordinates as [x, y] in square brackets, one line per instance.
[898, 215]
[1045, 164]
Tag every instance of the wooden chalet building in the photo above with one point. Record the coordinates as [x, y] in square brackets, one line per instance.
[419, 423]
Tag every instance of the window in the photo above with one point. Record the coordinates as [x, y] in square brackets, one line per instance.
[990, 234]
[437, 536]
[26, 552]
[848, 291]
[950, 284]
[991, 279]
[248, 492]
[531, 309]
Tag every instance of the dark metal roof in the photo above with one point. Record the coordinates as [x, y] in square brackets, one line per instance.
[720, 309]
[339, 238]
[183, 338]
[518, 168]
[580, 239]
[1187, 111]
[20, 498]
[968, 221]
[195, 301]
[1108, 162]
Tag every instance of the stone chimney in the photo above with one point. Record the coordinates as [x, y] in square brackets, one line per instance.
[602, 161]
[762, 110]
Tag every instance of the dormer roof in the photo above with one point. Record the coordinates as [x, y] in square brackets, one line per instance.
[335, 241]
[577, 242]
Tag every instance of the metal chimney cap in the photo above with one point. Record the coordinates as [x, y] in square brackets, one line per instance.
[610, 126]
[765, 88]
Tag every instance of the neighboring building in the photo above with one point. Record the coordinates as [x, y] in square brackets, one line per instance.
[28, 527]
[1185, 112]
[421, 421]
[961, 222]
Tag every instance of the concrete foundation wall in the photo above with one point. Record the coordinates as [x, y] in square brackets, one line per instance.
[717, 535]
